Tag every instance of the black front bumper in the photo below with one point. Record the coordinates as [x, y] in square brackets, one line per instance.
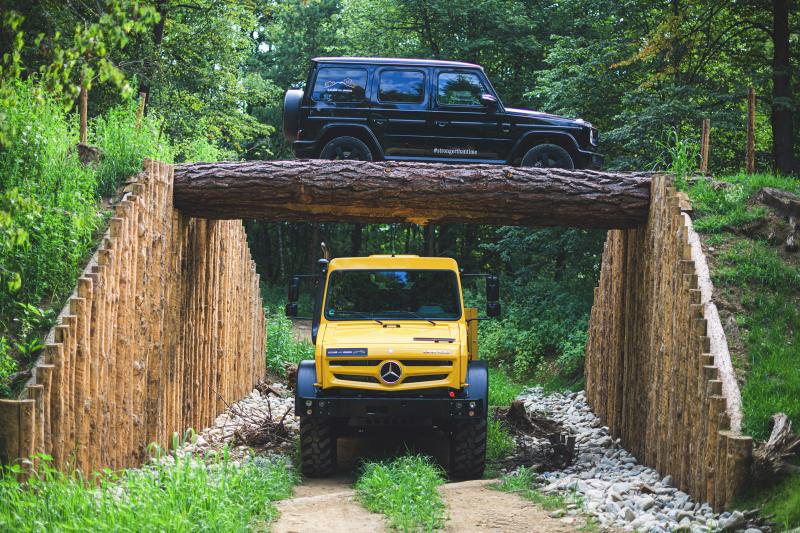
[389, 407]
[591, 160]
[363, 406]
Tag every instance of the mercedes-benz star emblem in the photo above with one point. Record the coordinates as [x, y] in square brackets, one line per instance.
[390, 372]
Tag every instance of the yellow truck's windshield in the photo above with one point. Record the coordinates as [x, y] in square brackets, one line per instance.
[392, 294]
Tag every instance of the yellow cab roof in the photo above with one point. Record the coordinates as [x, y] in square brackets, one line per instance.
[390, 262]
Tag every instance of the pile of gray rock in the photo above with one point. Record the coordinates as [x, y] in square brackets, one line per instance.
[617, 491]
[254, 422]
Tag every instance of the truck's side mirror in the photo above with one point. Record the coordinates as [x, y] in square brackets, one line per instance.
[492, 288]
[492, 296]
[489, 101]
[294, 295]
[294, 289]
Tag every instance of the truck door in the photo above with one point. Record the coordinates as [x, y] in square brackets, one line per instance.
[399, 111]
[463, 127]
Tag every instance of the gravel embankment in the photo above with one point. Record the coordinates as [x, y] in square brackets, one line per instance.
[615, 489]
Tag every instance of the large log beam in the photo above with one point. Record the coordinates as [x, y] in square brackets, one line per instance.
[353, 191]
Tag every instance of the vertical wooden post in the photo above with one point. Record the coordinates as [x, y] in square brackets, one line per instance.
[84, 105]
[750, 159]
[140, 110]
[704, 145]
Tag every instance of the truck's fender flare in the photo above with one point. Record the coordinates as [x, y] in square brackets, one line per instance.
[347, 128]
[567, 137]
[478, 381]
[306, 378]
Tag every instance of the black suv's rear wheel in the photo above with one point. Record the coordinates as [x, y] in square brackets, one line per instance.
[547, 156]
[317, 447]
[468, 449]
[346, 148]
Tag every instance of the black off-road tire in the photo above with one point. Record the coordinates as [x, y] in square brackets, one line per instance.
[348, 148]
[468, 449]
[548, 156]
[317, 447]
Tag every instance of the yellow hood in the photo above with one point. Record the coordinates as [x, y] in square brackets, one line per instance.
[416, 333]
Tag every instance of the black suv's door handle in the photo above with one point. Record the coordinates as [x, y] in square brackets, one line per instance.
[442, 123]
[379, 121]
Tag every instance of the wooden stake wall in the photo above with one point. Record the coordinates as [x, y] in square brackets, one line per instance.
[649, 373]
[165, 323]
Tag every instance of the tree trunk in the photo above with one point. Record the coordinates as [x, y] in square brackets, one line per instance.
[354, 191]
[782, 140]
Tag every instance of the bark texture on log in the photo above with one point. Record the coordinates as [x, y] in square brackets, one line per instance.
[355, 191]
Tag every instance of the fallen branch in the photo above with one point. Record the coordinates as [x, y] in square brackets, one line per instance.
[777, 456]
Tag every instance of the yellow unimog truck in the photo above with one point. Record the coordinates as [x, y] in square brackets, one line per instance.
[394, 347]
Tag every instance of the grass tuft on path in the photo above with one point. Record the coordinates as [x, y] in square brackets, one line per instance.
[523, 482]
[405, 491]
[187, 495]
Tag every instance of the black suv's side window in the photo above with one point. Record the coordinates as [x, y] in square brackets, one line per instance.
[459, 88]
[340, 85]
[401, 86]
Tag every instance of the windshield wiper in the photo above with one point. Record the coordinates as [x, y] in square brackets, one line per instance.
[364, 315]
[416, 315]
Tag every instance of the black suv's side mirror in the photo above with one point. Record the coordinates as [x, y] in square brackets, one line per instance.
[489, 101]
[294, 295]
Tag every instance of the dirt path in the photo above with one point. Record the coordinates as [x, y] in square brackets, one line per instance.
[326, 505]
[472, 506]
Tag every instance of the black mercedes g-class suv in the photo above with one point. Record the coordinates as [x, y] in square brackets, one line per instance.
[424, 110]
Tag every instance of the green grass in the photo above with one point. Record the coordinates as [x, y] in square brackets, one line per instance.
[188, 495]
[282, 347]
[405, 491]
[502, 389]
[523, 483]
[718, 210]
[499, 442]
[781, 503]
[768, 289]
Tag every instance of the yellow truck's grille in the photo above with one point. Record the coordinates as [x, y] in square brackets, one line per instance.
[415, 373]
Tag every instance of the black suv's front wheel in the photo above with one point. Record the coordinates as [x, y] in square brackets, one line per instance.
[346, 148]
[547, 156]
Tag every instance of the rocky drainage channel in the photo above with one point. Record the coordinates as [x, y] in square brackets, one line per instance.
[614, 489]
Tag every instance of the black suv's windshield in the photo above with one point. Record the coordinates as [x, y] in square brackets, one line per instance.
[392, 294]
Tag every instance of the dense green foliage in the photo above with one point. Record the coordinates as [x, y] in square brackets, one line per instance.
[406, 491]
[53, 208]
[181, 495]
